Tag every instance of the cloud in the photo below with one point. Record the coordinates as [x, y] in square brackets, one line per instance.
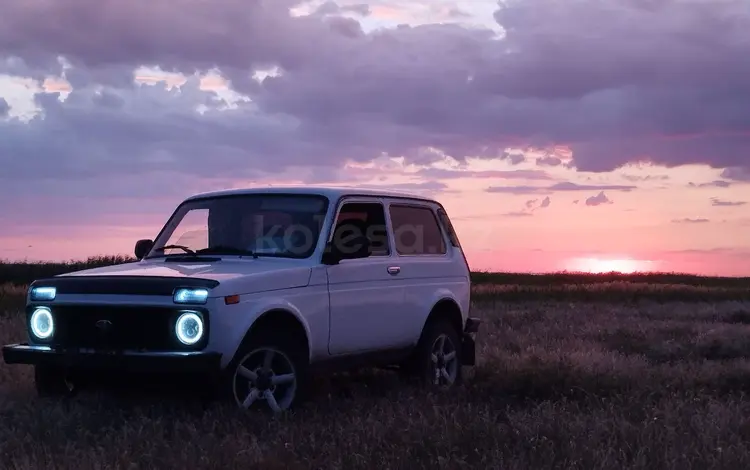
[518, 214]
[430, 187]
[712, 184]
[501, 174]
[549, 161]
[332, 8]
[636, 178]
[514, 158]
[736, 173]
[530, 207]
[564, 186]
[690, 221]
[741, 252]
[721, 203]
[456, 12]
[149, 128]
[598, 200]
[517, 189]
[534, 204]
[639, 85]
[568, 186]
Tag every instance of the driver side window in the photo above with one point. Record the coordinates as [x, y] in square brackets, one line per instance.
[367, 218]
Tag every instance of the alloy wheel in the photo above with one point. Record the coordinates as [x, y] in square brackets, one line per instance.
[265, 374]
[443, 362]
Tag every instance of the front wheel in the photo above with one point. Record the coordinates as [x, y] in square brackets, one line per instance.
[270, 373]
[437, 358]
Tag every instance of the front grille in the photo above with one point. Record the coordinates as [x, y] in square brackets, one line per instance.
[118, 327]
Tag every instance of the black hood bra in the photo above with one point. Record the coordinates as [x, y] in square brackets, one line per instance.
[122, 285]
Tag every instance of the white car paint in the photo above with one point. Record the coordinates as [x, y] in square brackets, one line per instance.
[356, 306]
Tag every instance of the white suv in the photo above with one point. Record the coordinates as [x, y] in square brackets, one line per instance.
[262, 288]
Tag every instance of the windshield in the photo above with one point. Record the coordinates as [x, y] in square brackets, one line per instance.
[253, 224]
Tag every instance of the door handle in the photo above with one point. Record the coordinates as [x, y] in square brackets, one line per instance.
[393, 270]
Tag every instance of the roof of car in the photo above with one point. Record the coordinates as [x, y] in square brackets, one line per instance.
[332, 192]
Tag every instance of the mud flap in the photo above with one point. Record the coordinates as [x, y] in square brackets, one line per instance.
[468, 350]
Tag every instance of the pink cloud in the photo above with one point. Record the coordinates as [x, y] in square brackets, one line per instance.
[598, 200]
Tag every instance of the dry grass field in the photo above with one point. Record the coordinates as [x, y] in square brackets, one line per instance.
[574, 372]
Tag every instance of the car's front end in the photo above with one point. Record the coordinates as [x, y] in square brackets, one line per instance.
[118, 324]
[187, 304]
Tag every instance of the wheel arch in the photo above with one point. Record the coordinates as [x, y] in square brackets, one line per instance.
[278, 319]
[448, 309]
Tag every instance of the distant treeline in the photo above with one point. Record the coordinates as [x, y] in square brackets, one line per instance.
[21, 273]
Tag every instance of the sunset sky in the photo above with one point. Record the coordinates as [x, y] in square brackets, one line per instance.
[559, 134]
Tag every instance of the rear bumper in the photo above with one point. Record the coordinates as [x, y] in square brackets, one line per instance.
[131, 361]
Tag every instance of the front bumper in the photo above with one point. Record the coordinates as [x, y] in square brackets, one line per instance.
[129, 361]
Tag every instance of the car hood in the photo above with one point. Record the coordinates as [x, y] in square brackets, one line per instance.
[215, 270]
[228, 275]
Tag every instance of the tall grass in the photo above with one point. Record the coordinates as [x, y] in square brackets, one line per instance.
[574, 374]
[558, 385]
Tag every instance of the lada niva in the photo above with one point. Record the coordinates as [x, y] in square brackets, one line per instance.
[259, 289]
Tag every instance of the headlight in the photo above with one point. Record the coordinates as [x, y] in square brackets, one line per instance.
[190, 296]
[189, 328]
[42, 325]
[43, 293]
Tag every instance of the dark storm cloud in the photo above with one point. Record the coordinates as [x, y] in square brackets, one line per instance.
[617, 81]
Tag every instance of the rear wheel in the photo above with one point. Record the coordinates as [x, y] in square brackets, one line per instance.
[436, 361]
[268, 371]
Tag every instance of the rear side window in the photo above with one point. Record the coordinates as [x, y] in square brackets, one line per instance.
[369, 218]
[416, 231]
[448, 226]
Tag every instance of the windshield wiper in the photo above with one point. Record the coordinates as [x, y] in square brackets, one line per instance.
[179, 247]
[226, 250]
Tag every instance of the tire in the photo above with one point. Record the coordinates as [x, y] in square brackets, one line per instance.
[247, 383]
[422, 365]
[51, 382]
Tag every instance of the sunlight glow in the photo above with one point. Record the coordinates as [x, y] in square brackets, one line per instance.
[598, 266]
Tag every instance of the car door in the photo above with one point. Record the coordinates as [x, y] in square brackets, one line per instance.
[366, 295]
[432, 265]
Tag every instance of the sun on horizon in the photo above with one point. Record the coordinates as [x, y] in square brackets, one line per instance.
[607, 265]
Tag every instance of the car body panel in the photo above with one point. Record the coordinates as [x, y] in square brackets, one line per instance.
[357, 306]
[366, 306]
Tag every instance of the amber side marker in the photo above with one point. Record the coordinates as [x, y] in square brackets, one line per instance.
[232, 299]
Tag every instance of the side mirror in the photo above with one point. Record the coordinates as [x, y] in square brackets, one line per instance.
[354, 248]
[142, 247]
